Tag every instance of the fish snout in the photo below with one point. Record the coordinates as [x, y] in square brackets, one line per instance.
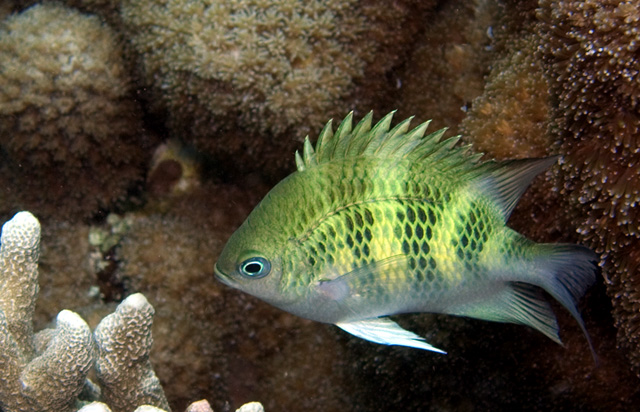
[223, 278]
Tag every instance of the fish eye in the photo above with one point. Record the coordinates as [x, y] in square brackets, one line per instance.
[255, 267]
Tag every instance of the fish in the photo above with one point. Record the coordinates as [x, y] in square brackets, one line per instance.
[378, 221]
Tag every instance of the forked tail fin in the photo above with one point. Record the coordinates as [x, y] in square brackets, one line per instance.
[566, 272]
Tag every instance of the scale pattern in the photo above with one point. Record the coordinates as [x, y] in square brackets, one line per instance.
[441, 233]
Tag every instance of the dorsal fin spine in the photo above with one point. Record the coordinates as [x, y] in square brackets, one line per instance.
[419, 131]
[379, 134]
[308, 154]
[343, 136]
[325, 136]
[359, 140]
[400, 129]
[367, 139]
[363, 125]
[300, 164]
[345, 127]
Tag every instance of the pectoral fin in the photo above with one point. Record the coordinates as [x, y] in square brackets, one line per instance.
[386, 332]
[363, 279]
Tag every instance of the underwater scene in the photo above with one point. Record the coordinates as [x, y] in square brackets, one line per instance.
[322, 205]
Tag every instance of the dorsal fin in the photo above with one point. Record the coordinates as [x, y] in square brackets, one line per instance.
[382, 142]
[508, 180]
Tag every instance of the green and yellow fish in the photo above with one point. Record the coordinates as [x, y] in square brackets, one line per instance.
[379, 221]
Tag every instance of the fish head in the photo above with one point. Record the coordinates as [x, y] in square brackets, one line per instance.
[250, 267]
[259, 270]
[252, 260]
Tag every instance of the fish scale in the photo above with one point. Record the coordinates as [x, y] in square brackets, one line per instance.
[378, 221]
[413, 218]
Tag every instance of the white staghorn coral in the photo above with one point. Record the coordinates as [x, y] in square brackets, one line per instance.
[251, 407]
[199, 406]
[48, 371]
[19, 277]
[122, 363]
[45, 372]
[55, 378]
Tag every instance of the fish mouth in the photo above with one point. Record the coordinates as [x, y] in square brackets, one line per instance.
[222, 277]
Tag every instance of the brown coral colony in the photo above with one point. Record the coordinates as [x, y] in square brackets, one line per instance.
[70, 131]
[593, 55]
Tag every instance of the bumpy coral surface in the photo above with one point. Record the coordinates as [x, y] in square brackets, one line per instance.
[510, 118]
[45, 372]
[199, 406]
[237, 75]
[266, 62]
[592, 52]
[445, 71]
[70, 133]
[19, 254]
[123, 341]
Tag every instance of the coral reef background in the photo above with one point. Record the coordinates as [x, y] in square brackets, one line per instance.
[71, 131]
[141, 134]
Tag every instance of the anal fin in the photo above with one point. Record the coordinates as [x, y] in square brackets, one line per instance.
[516, 303]
[386, 332]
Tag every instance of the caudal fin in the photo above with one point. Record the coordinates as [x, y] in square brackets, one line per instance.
[566, 272]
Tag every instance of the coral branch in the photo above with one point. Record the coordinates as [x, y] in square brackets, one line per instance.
[591, 55]
[49, 377]
[48, 371]
[124, 371]
[19, 277]
[55, 378]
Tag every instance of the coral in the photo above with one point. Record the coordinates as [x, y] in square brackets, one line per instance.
[45, 372]
[446, 69]
[19, 253]
[48, 371]
[510, 118]
[70, 132]
[57, 374]
[592, 56]
[95, 407]
[199, 406]
[213, 342]
[123, 341]
[148, 408]
[251, 407]
[237, 77]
